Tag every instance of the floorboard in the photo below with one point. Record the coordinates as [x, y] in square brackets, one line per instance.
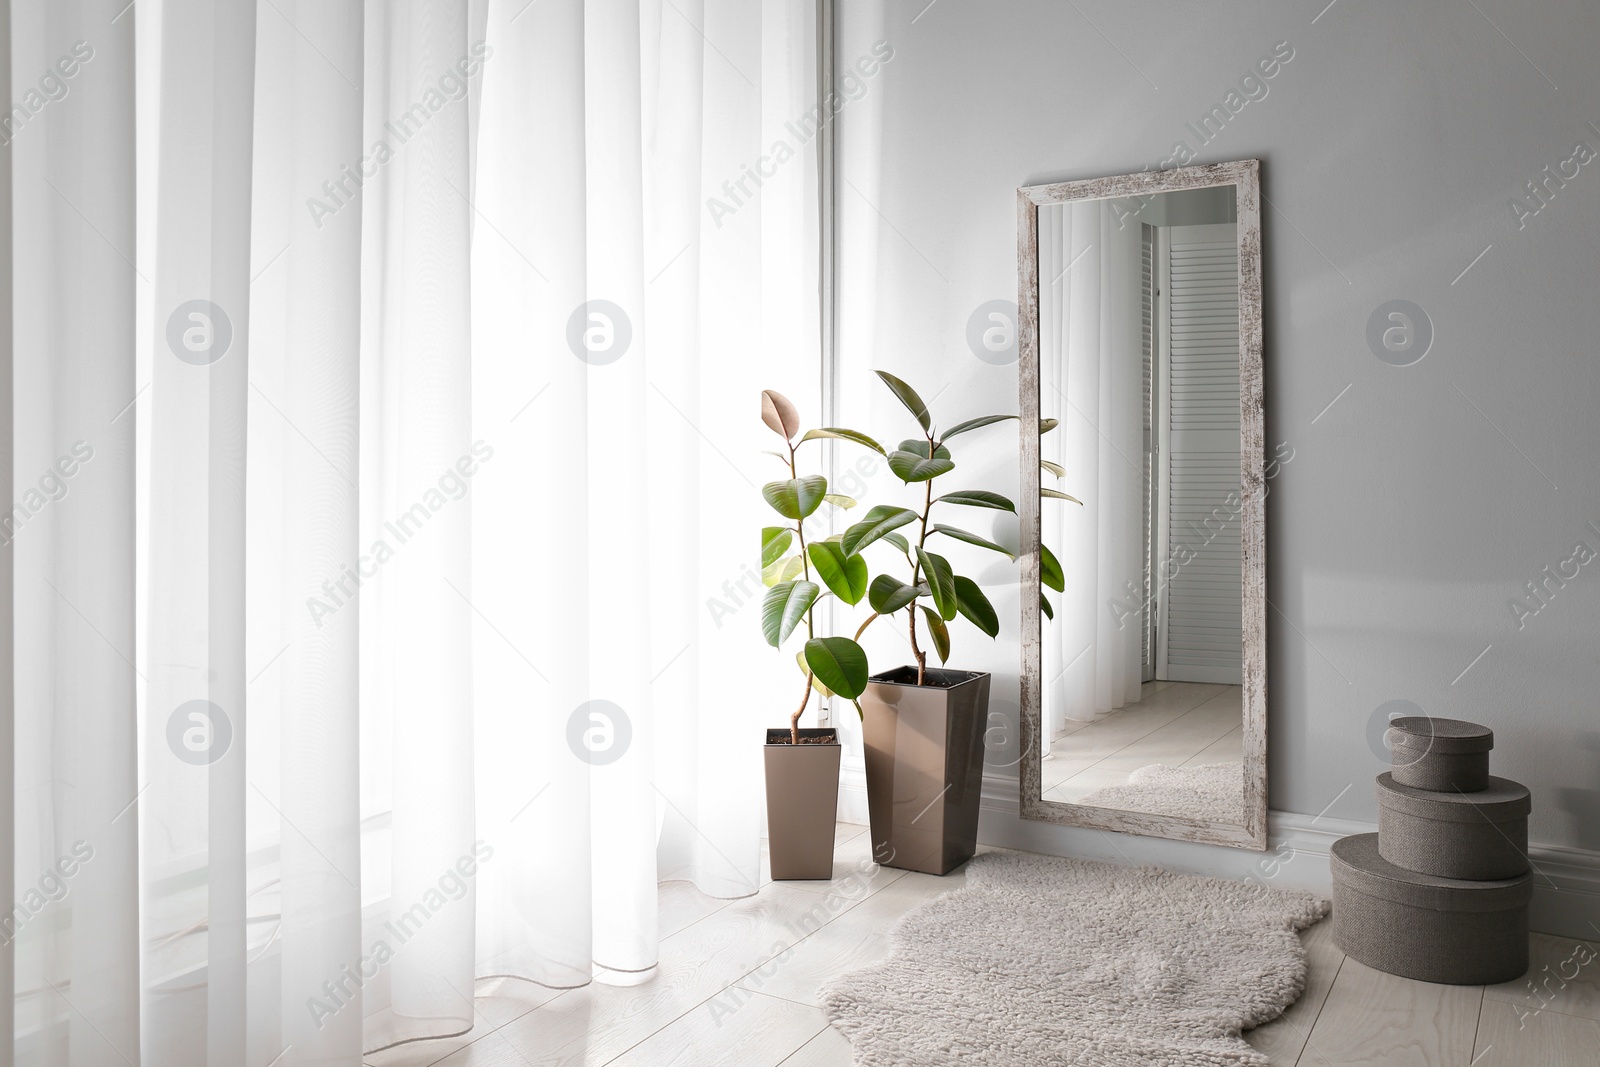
[1381, 1020]
[1284, 1039]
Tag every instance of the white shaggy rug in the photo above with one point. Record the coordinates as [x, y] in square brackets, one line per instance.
[1213, 792]
[1042, 961]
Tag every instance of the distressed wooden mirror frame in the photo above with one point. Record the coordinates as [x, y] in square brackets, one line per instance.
[1245, 177]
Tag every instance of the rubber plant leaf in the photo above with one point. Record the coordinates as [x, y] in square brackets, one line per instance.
[796, 498]
[978, 498]
[841, 434]
[972, 539]
[1050, 572]
[941, 582]
[878, 522]
[783, 608]
[975, 607]
[973, 424]
[839, 663]
[907, 396]
[939, 631]
[779, 415]
[774, 543]
[888, 594]
[845, 575]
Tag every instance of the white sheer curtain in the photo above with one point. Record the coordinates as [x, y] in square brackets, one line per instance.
[1090, 349]
[72, 530]
[380, 610]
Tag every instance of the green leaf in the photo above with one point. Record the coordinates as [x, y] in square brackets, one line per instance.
[776, 455]
[975, 607]
[917, 461]
[845, 575]
[1054, 468]
[1045, 605]
[805, 668]
[941, 582]
[779, 415]
[783, 608]
[781, 570]
[839, 500]
[977, 498]
[907, 396]
[1050, 572]
[844, 435]
[972, 539]
[1046, 425]
[940, 632]
[923, 450]
[795, 498]
[1051, 494]
[774, 543]
[839, 663]
[889, 594]
[973, 424]
[899, 542]
[878, 522]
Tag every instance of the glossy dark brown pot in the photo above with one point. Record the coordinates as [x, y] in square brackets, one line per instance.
[924, 755]
[802, 805]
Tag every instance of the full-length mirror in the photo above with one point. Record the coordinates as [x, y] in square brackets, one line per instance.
[1144, 696]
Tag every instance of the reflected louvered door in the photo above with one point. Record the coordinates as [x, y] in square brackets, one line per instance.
[1200, 629]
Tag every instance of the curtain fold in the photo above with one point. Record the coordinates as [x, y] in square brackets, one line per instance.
[302, 516]
[439, 486]
[417, 354]
[1090, 338]
[71, 527]
[195, 731]
[530, 405]
[616, 340]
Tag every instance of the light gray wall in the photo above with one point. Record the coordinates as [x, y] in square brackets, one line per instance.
[1420, 499]
[1192, 207]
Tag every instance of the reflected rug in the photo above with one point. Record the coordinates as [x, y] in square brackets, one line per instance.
[1039, 961]
[1213, 792]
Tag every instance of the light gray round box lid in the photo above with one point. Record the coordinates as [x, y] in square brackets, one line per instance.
[1356, 863]
[1502, 801]
[1441, 735]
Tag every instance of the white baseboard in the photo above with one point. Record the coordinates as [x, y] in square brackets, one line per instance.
[852, 795]
[1566, 881]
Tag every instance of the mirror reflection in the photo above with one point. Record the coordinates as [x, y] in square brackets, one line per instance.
[1139, 360]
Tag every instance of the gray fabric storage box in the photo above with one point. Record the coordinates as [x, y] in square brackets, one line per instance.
[1482, 835]
[1425, 927]
[1445, 755]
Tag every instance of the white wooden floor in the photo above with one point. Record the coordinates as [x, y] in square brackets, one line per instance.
[738, 980]
[1176, 723]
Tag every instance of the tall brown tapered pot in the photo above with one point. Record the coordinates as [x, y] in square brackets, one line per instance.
[802, 803]
[924, 756]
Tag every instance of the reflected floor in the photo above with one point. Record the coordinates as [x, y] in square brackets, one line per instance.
[1175, 723]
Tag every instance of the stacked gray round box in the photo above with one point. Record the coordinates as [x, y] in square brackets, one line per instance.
[1440, 893]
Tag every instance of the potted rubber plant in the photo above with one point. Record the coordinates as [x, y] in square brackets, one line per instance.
[802, 765]
[923, 726]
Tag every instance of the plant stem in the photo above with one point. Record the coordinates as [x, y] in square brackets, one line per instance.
[805, 562]
[922, 657]
[794, 720]
[805, 569]
[916, 569]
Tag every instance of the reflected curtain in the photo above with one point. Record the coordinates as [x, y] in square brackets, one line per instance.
[387, 472]
[1090, 367]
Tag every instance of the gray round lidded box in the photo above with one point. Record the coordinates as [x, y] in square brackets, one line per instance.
[1421, 926]
[1443, 755]
[1481, 835]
